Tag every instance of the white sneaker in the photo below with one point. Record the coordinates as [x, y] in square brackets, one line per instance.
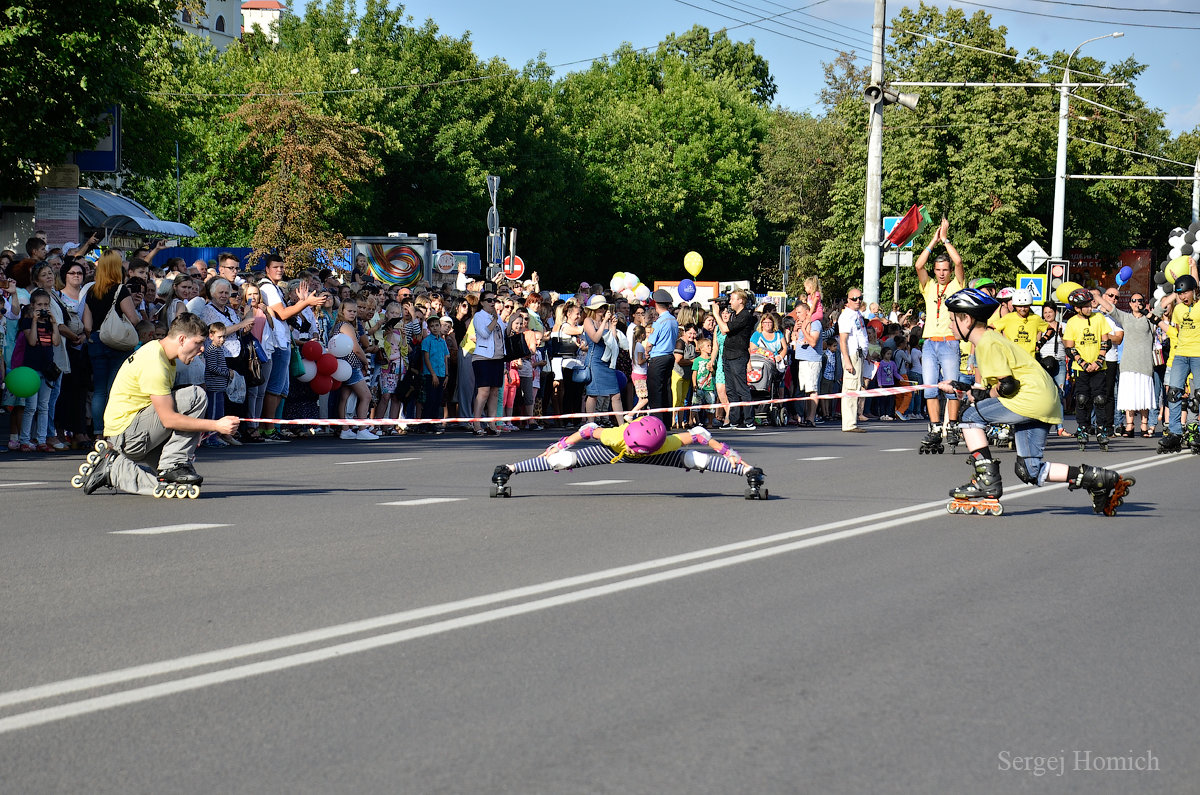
[348, 433]
[366, 435]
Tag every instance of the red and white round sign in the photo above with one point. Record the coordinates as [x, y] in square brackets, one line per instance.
[514, 267]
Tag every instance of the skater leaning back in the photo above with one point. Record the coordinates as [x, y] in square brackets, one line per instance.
[152, 432]
[1020, 393]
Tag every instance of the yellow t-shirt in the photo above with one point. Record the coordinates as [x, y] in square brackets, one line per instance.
[1022, 330]
[614, 438]
[1087, 335]
[997, 356]
[1184, 318]
[937, 317]
[964, 358]
[144, 373]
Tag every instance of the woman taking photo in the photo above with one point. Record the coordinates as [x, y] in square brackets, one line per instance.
[71, 412]
[600, 328]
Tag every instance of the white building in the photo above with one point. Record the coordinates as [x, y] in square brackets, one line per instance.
[222, 25]
[262, 14]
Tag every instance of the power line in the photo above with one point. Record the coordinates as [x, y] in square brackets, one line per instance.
[864, 40]
[744, 22]
[1079, 19]
[953, 43]
[1118, 8]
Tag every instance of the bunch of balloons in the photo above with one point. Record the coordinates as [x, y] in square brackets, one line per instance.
[629, 286]
[1178, 262]
[326, 368]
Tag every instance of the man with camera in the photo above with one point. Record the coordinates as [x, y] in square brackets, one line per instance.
[736, 356]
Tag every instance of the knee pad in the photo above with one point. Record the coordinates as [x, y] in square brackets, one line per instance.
[1100, 401]
[1036, 476]
[694, 459]
[1083, 402]
[1174, 394]
[563, 459]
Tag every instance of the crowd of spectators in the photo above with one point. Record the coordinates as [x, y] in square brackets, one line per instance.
[465, 357]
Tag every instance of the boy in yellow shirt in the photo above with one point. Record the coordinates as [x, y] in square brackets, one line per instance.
[1086, 339]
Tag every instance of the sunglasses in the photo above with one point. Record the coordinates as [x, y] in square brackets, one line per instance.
[854, 298]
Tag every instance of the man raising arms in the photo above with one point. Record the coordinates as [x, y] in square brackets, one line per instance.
[940, 351]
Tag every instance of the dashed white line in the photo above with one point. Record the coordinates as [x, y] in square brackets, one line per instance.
[166, 528]
[820, 458]
[425, 501]
[898, 450]
[376, 461]
[599, 482]
[30, 483]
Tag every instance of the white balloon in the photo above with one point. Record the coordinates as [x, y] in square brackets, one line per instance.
[1159, 292]
[340, 345]
[617, 283]
[343, 371]
[1175, 240]
[310, 371]
[631, 281]
[1176, 252]
[196, 305]
[642, 292]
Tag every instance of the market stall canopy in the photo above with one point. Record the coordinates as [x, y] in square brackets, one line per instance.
[101, 209]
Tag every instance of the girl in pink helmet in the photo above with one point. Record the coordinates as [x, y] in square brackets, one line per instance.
[643, 441]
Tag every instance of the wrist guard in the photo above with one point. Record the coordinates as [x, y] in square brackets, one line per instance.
[1105, 346]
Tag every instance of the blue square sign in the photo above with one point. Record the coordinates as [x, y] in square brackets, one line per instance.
[1035, 284]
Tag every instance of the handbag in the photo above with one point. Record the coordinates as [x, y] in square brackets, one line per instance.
[70, 317]
[582, 375]
[517, 348]
[116, 332]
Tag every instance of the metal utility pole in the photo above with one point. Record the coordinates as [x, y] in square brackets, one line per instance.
[1060, 168]
[873, 211]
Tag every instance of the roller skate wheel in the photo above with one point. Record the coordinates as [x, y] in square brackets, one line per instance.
[501, 491]
[100, 446]
[77, 481]
[953, 507]
[85, 469]
[193, 492]
[168, 490]
[93, 457]
[749, 493]
[181, 492]
[160, 491]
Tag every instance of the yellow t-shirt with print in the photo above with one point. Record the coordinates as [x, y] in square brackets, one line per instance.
[1037, 398]
[1186, 320]
[1087, 334]
[937, 317]
[614, 439]
[1024, 331]
[964, 358]
[145, 373]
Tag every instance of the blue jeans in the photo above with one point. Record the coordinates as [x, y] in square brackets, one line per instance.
[1179, 373]
[281, 372]
[37, 404]
[939, 362]
[1028, 434]
[105, 364]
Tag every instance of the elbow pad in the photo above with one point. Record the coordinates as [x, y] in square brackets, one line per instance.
[589, 430]
[1008, 387]
[700, 435]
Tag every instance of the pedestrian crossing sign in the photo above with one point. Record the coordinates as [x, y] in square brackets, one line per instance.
[1035, 284]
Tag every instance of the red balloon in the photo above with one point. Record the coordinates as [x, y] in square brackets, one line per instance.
[311, 350]
[322, 384]
[336, 385]
[326, 364]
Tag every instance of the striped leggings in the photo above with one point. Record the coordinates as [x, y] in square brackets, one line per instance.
[596, 454]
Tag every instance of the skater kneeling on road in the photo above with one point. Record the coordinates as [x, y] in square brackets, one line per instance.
[643, 441]
[1020, 393]
[152, 432]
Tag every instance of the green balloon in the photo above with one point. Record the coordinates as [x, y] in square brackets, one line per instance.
[23, 382]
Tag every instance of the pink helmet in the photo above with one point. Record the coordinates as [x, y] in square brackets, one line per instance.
[1006, 293]
[645, 436]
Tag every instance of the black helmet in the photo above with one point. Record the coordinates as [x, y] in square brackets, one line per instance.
[973, 302]
[1185, 282]
[1080, 298]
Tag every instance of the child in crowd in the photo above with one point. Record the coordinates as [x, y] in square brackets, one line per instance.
[216, 378]
[40, 335]
[830, 382]
[637, 353]
[434, 355]
[146, 332]
[885, 376]
[394, 352]
[702, 383]
[812, 297]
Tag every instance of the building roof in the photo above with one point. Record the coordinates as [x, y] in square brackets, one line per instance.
[263, 5]
[106, 210]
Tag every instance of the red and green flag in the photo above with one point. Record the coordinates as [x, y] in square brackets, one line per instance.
[909, 226]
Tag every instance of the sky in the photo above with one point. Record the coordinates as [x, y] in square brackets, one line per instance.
[574, 30]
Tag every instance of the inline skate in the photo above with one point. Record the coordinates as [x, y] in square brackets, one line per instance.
[1108, 488]
[500, 478]
[980, 495]
[755, 488]
[180, 481]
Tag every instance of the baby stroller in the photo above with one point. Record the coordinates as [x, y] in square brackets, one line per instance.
[766, 383]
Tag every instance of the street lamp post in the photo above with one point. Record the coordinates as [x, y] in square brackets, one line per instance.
[1060, 169]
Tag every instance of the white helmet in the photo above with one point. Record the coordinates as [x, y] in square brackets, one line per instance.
[1022, 297]
[1005, 294]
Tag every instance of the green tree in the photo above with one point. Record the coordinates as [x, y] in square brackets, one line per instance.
[75, 59]
[714, 56]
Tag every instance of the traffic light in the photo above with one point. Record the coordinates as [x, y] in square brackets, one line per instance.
[1060, 271]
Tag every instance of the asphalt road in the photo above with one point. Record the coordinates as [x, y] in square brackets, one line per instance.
[616, 629]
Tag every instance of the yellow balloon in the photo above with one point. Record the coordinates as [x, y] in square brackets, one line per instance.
[1178, 267]
[693, 263]
[1065, 289]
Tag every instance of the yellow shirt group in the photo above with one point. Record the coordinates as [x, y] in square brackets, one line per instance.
[937, 317]
[996, 356]
[1087, 334]
[1024, 331]
[145, 373]
[1184, 319]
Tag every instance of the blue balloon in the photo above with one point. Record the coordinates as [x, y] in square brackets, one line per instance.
[621, 381]
[687, 289]
[1123, 275]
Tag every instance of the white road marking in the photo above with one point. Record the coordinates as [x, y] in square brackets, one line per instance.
[769, 433]
[30, 483]
[599, 482]
[425, 501]
[820, 458]
[376, 461]
[898, 450]
[166, 528]
[855, 527]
